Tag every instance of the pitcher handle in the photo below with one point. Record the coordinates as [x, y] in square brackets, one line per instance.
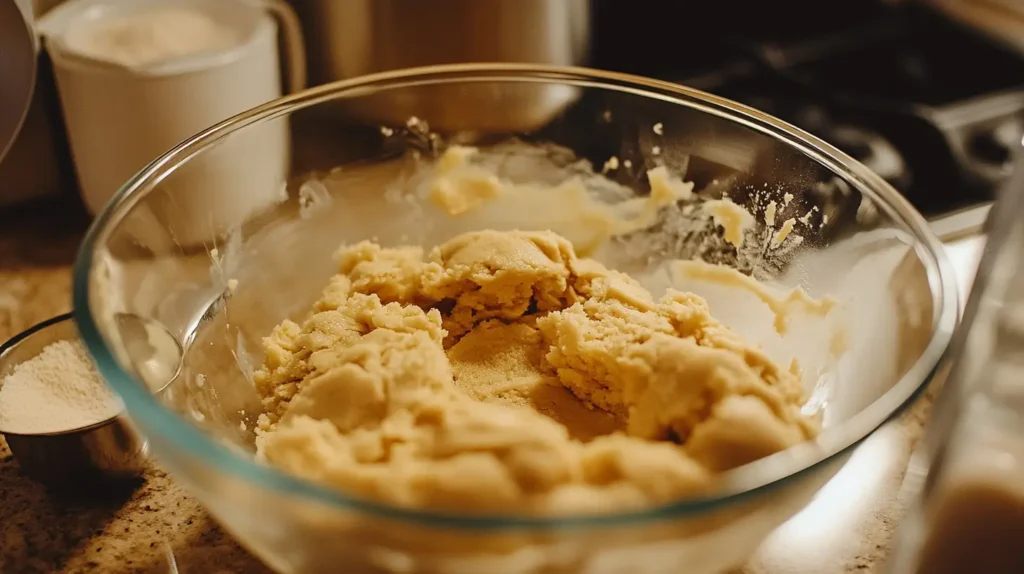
[294, 46]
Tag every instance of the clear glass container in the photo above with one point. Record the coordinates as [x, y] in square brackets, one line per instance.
[167, 266]
[965, 484]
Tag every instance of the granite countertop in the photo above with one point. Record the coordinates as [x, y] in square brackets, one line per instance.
[850, 525]
[132, 533]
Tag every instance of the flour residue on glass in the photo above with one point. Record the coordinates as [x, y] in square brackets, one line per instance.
[151, 37]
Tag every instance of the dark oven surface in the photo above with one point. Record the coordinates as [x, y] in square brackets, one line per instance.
[932, 106]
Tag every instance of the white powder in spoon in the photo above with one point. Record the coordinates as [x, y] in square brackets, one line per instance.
[57, 390]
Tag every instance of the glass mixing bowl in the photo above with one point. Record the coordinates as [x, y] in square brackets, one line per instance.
[182, 275]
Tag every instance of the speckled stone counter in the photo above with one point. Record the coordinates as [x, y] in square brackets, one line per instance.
[848, 528]
[131, 533]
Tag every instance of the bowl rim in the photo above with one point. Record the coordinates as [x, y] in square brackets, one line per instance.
[753, 479]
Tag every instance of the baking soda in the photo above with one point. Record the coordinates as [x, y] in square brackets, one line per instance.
[57, 390]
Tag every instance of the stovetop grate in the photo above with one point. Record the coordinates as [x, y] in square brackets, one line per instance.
[933, 107]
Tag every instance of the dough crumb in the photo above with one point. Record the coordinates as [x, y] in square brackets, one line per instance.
[769, 213]
[665, 188]
[783, 232]
[467, 191]
[732, 218]
[501, 372]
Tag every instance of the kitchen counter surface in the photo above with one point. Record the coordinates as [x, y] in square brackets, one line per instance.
[130, 533]
[848, 528]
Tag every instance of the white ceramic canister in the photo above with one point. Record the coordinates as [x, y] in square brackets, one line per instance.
[122, 110]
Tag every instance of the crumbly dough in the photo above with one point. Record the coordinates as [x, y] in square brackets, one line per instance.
[732, 218]
[500, 372]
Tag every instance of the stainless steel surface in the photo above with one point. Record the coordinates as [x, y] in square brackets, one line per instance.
[962, 223]
[964, 253]
[76, 460]
[898, 87]
[18, 47]
[963, 237]
[348, 38]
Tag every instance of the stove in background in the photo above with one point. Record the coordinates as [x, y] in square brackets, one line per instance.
[929, 104]
[934, 107]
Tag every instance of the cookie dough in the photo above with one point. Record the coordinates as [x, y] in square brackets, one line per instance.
[501, 372]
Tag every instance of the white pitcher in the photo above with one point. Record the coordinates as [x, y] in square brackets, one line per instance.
[121, 115]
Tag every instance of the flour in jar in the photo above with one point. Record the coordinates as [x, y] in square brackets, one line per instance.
[57, 390]
[151, 37]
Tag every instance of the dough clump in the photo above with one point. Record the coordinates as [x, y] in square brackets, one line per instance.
[501, 372]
